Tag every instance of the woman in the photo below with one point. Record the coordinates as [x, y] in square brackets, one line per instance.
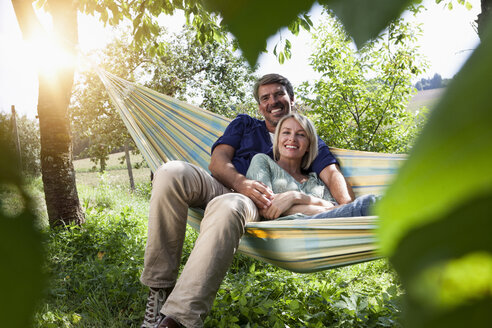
[299, 194]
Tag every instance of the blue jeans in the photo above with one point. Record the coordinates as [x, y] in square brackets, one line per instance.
[361, 206]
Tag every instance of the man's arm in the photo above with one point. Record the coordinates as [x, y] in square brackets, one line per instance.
[224, 171]
[340, 189]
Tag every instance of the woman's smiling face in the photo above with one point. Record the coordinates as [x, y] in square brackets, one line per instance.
[293, 141]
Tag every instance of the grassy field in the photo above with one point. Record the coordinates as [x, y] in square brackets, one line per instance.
[115, 162]
[427, 98]
[116, 173]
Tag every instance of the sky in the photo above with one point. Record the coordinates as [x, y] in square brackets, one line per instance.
[447, 42]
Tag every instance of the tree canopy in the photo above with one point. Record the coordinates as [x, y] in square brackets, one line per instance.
[360, 101]
[93, 116]
[435, 82]
[213, 76]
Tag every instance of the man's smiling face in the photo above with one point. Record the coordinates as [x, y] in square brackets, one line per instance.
[274, 104]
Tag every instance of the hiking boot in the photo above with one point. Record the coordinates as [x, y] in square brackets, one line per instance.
[156, 299]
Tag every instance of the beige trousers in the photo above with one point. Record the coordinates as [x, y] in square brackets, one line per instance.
[177, 186]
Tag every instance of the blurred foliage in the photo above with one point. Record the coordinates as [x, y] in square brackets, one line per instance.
[252, 23]
[361, 99]
[22, 280]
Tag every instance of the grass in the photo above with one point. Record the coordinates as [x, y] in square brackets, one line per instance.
[115, 162]
[94, 274]
[12, 202]
[116, 173]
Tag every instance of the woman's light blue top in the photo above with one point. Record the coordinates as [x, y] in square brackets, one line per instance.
[266, 170]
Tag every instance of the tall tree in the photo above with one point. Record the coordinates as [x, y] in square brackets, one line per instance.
[55, 89]
[436, 81]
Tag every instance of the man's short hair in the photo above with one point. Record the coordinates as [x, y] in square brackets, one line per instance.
[308, 126]
[270, 79]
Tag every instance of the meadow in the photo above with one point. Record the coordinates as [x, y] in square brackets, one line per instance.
[94, 272]
[427, 98]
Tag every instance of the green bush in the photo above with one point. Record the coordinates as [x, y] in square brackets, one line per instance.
[364, 295]
[95, 269]
[30, 146]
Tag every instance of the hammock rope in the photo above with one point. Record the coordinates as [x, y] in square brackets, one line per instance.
[165, 129]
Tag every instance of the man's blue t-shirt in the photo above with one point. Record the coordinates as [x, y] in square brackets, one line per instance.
[249, 136]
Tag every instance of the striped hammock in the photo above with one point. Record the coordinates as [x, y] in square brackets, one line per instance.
[166, 129]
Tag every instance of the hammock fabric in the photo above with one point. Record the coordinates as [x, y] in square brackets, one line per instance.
[167, 129]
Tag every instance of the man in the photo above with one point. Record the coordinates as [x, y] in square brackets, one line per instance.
[177, 185]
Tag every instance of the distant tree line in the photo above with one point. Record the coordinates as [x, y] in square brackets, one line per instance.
[435, 82]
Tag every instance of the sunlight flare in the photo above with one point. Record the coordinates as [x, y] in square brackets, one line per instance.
[49, 55]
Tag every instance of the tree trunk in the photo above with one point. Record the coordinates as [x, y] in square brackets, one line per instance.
[55, 89]
[129, 165]
[102, 163]
[15, 134]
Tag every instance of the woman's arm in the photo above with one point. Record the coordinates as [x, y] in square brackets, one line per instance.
[291, 202]
[308, 209]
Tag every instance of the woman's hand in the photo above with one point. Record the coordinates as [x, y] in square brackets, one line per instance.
[325, 204]
[280, 204]
[291, 202]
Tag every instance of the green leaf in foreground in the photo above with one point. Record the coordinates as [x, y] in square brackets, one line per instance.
[363, 19]
[253, 21]
[21, 277]
[435, 218]
[451, 160]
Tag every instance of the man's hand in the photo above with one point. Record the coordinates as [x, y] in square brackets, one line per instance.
[258, 192]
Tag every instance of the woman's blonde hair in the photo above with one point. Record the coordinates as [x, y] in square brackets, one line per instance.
[308, 126]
